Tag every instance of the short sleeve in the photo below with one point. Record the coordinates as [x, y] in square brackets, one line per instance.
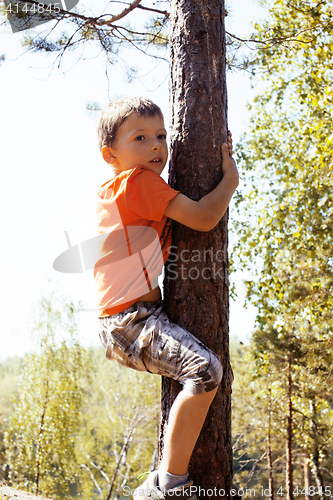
[149, 195]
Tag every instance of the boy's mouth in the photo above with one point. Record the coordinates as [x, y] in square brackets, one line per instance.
[158, 159]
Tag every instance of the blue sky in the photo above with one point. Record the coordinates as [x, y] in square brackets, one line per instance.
[51, 169]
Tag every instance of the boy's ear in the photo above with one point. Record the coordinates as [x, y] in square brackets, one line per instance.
[108, 155]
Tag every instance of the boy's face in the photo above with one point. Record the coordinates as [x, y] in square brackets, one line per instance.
[139, 141]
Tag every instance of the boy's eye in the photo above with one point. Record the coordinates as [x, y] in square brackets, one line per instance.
[139, 138]
[162, 136]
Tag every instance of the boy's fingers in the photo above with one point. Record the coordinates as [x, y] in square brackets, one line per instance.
[227, 146]
[226, 149]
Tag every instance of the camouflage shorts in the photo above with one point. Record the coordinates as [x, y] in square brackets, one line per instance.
[143, 338]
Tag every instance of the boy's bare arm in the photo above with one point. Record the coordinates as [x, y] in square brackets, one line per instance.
[203, 215]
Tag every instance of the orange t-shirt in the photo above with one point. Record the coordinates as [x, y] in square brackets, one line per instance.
[135, 237]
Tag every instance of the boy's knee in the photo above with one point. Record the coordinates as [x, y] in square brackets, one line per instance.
[212, 374]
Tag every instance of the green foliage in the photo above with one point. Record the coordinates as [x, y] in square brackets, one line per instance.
[288, 181]
[123, 407]
[39, 439]
[259, 409]
[250, 420]
[78, 425]
[9, 372]
[286, 239]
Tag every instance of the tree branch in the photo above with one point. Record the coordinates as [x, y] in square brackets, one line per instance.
[97, 21]
[122, 14]
[164, 12]
[124, 451]
[83, 466]
[99, 468]
[280, 38]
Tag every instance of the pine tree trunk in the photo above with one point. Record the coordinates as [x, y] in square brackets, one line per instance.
[315, 450]
[196, 281]
[268, 445]
[289, 464]
[307, 473]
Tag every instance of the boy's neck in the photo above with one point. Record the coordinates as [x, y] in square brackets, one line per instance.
[116, 172]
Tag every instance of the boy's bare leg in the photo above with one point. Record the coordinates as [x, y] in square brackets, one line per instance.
[186, 419]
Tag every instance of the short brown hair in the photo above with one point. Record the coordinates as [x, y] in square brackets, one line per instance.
[113, 115]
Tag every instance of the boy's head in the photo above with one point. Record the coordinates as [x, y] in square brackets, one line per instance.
[131, 132]
[114, 115]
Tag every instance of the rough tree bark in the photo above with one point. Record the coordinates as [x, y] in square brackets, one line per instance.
[196, 281]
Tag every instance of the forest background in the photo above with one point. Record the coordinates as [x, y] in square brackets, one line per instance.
[73, 428]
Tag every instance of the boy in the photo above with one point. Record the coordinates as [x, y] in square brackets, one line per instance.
[134, 212]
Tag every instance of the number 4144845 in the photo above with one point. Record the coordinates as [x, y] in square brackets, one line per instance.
[312, 491]
[31, 8]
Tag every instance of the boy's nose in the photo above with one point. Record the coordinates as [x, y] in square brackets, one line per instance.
[156, 146]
